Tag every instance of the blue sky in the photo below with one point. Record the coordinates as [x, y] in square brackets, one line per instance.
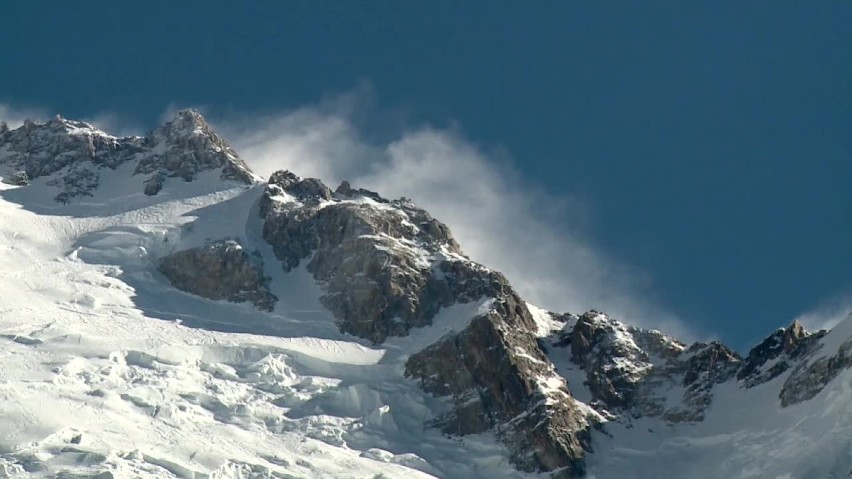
[699, 152]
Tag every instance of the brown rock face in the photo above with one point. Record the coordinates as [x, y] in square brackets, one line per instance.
[788, 343]
[187, 145]
[630, 370]
[75, 153]
[386, 268]
[494, 387]
[811, 376]
[382, 262]
[792, 336]
[221, 271]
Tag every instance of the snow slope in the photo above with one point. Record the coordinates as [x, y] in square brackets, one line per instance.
[746, 434]
[107, 371]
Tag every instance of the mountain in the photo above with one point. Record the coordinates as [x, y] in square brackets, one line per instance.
[167, 313]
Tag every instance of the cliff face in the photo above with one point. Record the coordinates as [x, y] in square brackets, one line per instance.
[72, 155]
[387, 268]
[548, 385]
[221, 270]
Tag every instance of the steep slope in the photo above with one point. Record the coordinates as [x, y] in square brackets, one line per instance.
[69, 157]
[702, 411]
[386, 268]
[174, 317]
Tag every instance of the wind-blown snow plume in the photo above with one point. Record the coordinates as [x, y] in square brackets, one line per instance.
[828, 313]
[15, 116]
[499, 218]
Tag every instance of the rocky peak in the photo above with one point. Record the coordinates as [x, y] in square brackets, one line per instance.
[73, 148]
[306, 190]
[819, 361]
[773, 355]
[793, 334]
[616, 357]
[75, 153]
[630, 372]
[387, 264]
[712, 363]
[387, 268]
[187, 145]
[189, 121]
[220, 270]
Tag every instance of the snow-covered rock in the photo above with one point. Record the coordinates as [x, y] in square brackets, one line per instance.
[219, 270]
[71, 155]
[372, 347]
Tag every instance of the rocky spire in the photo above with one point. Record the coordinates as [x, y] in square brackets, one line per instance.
[184, 147]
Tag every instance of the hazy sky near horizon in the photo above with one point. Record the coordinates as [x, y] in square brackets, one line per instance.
[685, 161]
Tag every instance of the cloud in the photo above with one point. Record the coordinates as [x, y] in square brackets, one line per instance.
[115, 124]
[498, 217]
[15, 116]
[828, 313]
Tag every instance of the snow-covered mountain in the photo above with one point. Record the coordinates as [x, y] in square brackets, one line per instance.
[167, 313]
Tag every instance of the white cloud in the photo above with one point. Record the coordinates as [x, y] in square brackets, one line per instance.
[15, 116]
[115, 124]
[828, 313]
[498, 218]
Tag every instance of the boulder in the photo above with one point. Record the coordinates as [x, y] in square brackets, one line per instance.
[222, 271]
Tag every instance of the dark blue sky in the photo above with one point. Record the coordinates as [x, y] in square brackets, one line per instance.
[711, 140]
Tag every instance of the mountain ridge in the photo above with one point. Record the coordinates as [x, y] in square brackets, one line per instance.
[553, 388]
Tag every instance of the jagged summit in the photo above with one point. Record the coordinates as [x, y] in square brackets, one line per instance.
[364, 334]
[188, 122]
[70, 156]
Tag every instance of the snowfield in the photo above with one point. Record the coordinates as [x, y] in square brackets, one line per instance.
[106, 371]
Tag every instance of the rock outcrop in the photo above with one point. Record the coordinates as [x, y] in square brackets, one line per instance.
[388, 267]
[817, 366]
[20, 178]
[631, 371]
[74, 153]
[383, 263]
[221, 271]
[186, 146]
[775, 354]
[499, 379]
[809, 378]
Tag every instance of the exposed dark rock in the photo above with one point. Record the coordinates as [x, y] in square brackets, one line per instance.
[186, 146]
[387, 267]
[345, 191]
[79, 181]
[713, 360]
[307, 189]
[382, 264]
[74, 153]
[703, 365]
[617, 368]
[812, 374]
[785, 343]
[221, 271]
[630, 370]
[154, 184]
[494, 387]
[19, 178]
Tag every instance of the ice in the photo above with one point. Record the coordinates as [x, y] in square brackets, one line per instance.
[109, 370]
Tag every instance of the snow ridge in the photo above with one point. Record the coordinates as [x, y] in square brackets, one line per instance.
[345, 335]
